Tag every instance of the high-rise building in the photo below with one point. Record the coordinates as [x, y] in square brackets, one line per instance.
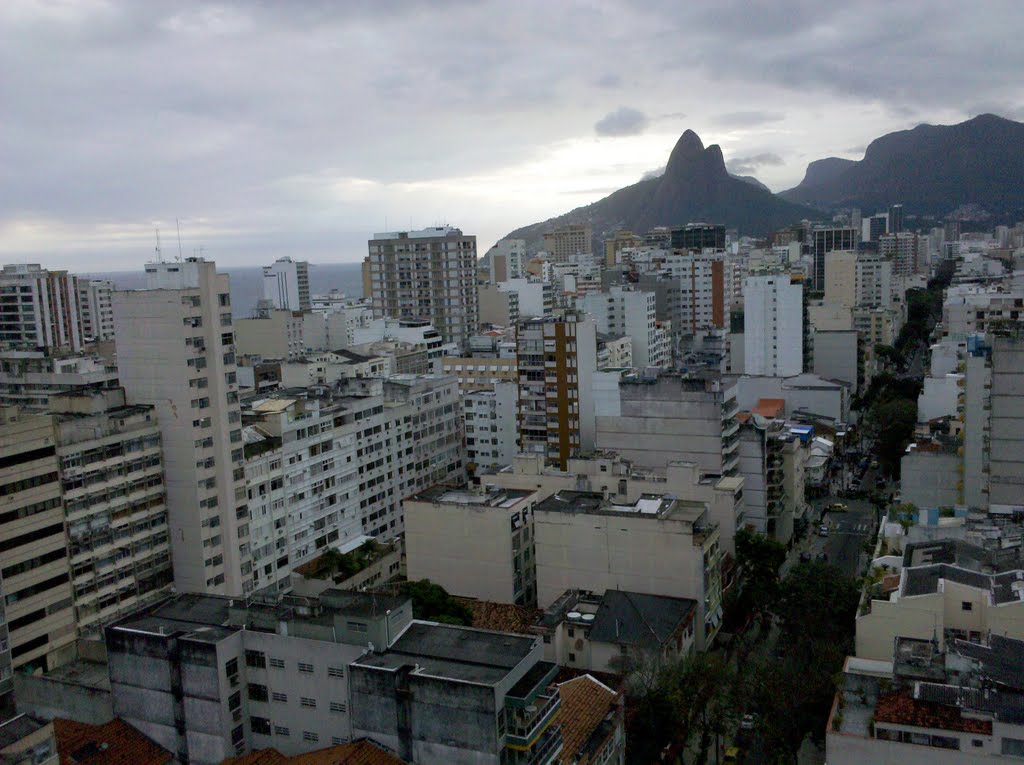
[505, 260]
[38, 628]
[565, 242]
[1006, 416]
[625, 311]
[175, 351]
[826, 240]
[29, 378]
[557, 358]
[895, 219]
[855, 279]
[39, 308]
[491, 418]
[905, 251]
[95, 301]
[112, 477]
[286, 284]
[697, 237]
[772, 326]
[429, 275]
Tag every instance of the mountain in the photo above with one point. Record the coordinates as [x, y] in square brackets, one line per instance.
[931, 169]
[752, 181]
[694, 187]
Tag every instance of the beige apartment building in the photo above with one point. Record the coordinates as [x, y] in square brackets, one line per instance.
[476, 543]
[657, 545]
[38, 629]
[111, 468]
[477, 374]
[565, 242]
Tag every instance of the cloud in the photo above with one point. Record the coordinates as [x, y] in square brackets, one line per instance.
[749, 118]
[656, 173]
[748, 165]
[622, 121]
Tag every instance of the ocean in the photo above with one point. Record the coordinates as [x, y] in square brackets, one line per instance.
[247, 282]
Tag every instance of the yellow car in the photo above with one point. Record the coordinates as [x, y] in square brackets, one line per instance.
[732, 756]
[838, 507]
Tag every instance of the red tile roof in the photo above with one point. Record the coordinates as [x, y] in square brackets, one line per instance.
[362, 752]
[113, 743]
[901, 708]
[585, 703]
[770, 407]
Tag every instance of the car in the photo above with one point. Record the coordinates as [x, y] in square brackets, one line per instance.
[838, 507]
[732, 756]
[823, 530]
[748, 722]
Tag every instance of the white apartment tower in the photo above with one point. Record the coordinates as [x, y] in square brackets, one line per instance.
[773, 342]
[39, 308]
[175, 350]
[625, 311]
[428, 274]
[286, 284]
[96, 303]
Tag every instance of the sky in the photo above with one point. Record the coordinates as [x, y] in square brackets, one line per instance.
[262, 128]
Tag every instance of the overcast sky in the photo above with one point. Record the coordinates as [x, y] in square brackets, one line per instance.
[300, 128]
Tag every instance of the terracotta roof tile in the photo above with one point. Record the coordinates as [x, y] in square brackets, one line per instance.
[113, 743]
[585, 704]
[361, 752]
[771, 408]
[901, 708]
[502, 617]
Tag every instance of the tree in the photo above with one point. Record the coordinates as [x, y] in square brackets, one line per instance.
[890, 356]
[758, 560]
[893, 422]
[432, 602]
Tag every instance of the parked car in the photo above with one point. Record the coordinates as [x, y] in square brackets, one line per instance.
[823, 530]
[838, 507]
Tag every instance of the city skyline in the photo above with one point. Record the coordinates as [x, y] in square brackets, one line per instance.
[301, 133]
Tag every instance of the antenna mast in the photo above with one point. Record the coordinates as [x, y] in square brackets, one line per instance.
[159, 255]
[177, 225]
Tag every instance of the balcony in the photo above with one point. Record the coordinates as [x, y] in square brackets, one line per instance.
[527, 725]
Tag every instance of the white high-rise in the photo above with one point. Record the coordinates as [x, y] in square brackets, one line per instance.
[175, 350]
[39, 308]
[625, 311]
[96, 303]
[286, 284]
[773, 342]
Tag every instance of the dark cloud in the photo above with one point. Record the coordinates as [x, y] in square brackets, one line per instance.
[305, 123]
[749, 165]
[750, 118]
[623, 121]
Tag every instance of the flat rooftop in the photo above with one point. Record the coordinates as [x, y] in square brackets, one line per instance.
[462, 495]
[655, 506]
[462, 654]
[1007, 587]
[88, 674]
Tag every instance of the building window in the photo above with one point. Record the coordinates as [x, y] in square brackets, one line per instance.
[276, 663]
[337, 706]
[308, 735]
[255, 659]
[260, 725]
[280, 730]
[572, 657]
[281, 697]
[967, 606]
[257, 692]
[307, 668]
[308, 702]
[335, 671]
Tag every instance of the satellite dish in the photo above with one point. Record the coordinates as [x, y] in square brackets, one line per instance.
[760, 421]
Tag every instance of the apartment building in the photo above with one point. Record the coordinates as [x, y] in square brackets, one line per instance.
[565, 242]
[498, 306]
[698, 237]
[704, 298]
[480, 373]
[492, 417]
[556, 358]
[906, 251]
[858, 279]
[925, 705]
[476, 542]
[96, 304]
[111, 470]
[536, 297]
[210, 677]
[626, 483]
[458, 695]
[275, 334]
[39, 308]
[286, 284]
[670, 418]
[625, 311]
[1006, 451]
[29, 378]
[658, 545]
[968, 309]
[616, 631]
[824, 241]
[773, 330]
[38, 629]
[176, 352]
[505, 260]
[945, 588]
[428, 275]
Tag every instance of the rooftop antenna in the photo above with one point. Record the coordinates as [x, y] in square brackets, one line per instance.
[159, 255]
[177, 225]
